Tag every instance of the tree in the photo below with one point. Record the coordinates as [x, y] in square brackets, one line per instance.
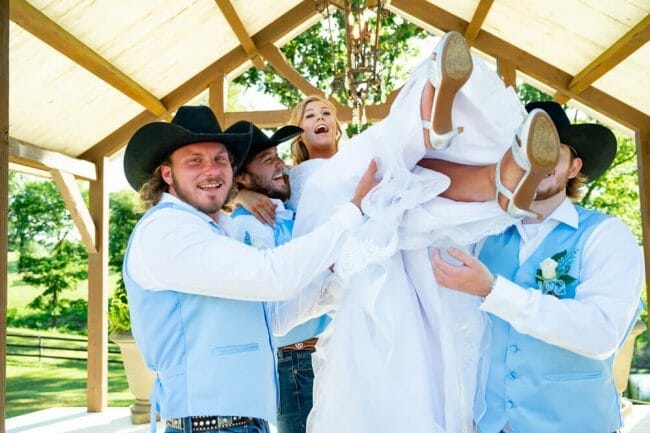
[61, 270]
[40, 229]
[37, 214]
[319, 52]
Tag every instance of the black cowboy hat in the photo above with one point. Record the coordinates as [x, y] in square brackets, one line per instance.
[260, 140]
[154, 142]
[594, 144]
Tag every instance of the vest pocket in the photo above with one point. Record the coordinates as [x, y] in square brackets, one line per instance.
[573, 376]
[235, 348]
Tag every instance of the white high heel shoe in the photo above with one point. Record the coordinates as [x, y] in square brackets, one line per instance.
[448, 71]
[536, 149]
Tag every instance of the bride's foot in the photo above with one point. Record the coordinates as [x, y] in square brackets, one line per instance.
[449, 68]
[534, 153]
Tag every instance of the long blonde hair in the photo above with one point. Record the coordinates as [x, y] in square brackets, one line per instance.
[299, 151]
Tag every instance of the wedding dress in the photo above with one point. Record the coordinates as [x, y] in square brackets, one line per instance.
[403, 354]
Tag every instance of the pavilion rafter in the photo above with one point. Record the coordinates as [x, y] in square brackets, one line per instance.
[43, 28]
[434, 16]
[477, 20]
[276, 59]
[276, 30]
[612, 56]
[237, 26]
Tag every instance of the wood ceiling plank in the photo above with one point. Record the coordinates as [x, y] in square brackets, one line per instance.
[619, 51]
[304, 11]
[554, 77]
[477, 20]
[74, 202]
[4, 200]
[41, 27]
[36, 157]
[237, 26]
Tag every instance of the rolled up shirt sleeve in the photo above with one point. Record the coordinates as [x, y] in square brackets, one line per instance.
[594, 323]
[176, 250]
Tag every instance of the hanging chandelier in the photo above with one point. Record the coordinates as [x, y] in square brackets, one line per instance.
[359, 80]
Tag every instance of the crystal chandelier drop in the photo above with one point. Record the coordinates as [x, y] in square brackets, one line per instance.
[360, 77]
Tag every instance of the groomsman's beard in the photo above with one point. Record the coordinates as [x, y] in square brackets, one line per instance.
[265, 186]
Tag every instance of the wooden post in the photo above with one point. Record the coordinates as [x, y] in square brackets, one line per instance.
[642, 138]
[217, 98]
[4, 198]
[508, 72]
[97, 386]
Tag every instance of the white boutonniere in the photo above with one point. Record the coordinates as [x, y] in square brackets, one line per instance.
[553, 274]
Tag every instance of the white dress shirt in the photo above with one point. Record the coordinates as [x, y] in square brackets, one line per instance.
[594, 323]
[178, 250]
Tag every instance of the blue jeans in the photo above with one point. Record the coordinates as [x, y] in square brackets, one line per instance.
[296, 387]
[258, 426]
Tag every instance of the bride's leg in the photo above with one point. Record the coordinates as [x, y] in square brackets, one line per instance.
[514, 179]
[449, 68]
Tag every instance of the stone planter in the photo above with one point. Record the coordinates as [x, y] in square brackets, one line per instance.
[139, 377]
[622, 363]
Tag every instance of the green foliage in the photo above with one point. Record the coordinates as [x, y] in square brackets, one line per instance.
[33, 385]
[319, 53]
[72, 317]
[528, 93]
[60, 271]
[37, 215]
[119, 318]
[124, 216]
[617, 191]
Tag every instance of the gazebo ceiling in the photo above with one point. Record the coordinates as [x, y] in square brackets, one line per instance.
[84, 74]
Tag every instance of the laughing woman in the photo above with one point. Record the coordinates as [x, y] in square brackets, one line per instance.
[402, 353]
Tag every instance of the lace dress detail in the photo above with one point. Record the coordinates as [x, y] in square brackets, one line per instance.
[402, 353]
[297, 176]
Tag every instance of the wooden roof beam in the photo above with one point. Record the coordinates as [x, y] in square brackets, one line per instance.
[275, 118]
[477, 20]
[237, 26]
[108, 146]
[436, 17]
[276, 59]
[74, 202]
[612, 56]
[36, 157]
[39, 25]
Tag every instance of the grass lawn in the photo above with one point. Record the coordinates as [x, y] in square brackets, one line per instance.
[20, 294]
[33, 385]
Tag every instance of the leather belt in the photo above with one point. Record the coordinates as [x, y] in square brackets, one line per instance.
[302, 345]
[209, 423]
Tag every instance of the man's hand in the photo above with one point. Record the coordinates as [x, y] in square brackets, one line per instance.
[258, 204]
[366, 183]
[471, 276]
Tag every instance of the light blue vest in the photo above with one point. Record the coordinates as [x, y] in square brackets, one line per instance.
[535, 386]
[212, 356]
[282, 233]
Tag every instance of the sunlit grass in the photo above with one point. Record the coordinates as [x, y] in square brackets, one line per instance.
[33, 385]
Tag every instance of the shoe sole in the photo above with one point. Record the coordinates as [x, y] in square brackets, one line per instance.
[543, 151]
[456, 66]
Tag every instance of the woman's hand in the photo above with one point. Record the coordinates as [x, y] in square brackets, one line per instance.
[366, 183]
[258, 204]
